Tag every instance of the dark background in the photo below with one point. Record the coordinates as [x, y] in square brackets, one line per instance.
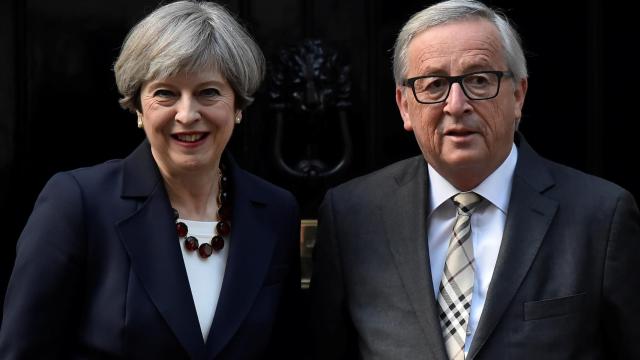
[59, 109]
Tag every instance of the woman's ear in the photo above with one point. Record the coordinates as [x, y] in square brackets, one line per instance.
[140, 123]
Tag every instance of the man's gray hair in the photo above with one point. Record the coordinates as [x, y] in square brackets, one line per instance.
[187, 36]
[456, 10]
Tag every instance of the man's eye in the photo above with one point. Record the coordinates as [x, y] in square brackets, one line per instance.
[437, 83]
[478, 80]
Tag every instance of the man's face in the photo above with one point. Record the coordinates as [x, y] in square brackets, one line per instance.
[464, 140]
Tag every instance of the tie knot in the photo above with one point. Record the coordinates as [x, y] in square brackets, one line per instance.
[466, 202]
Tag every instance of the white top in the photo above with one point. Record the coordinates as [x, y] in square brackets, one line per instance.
[205, 275]
[487, 227]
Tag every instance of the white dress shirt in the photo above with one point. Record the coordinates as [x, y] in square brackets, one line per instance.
[205, 275]
[487, 227]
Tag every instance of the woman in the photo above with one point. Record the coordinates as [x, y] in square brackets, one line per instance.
[174, 252]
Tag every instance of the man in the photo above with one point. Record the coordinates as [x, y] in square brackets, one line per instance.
[479, 248]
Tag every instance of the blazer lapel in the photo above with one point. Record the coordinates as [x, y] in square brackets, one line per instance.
[252, 241]
[405, 222]
[529, 217]
[149, 237]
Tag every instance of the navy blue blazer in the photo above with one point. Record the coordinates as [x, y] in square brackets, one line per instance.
[99, 272]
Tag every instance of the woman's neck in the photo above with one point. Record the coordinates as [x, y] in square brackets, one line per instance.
[194, 195]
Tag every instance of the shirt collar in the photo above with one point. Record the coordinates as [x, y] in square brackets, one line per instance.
[492, 188]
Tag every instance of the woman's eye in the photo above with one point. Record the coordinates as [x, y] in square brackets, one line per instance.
[210, 92]
[163, 93]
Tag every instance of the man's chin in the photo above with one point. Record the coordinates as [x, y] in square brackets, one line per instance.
[464, 158]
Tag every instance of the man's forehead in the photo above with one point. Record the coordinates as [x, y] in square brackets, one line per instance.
[460, 43]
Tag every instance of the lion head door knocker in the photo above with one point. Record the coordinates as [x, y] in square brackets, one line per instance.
[309, 90]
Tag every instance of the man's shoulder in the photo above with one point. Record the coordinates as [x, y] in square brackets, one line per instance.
[561, 181]
[570, 180]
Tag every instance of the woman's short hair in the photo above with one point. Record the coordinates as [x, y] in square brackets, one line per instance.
[455, 10]
[187, 36]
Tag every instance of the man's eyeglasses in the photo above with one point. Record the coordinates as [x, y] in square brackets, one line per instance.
[479, 85]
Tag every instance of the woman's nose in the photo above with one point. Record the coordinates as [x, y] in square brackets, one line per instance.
[187, 110]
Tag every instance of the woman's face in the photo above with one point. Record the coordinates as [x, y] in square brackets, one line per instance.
[188, 119]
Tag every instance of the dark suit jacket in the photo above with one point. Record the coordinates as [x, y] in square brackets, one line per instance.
[565, 285]
[99, 272]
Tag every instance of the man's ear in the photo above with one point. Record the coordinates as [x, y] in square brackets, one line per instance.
[519, 94]
[403, 106]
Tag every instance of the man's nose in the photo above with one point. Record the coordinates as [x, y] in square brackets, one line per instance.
[457, 102]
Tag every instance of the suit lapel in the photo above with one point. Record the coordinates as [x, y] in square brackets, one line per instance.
[251, 244]
[529, 217]
[405, 218]
[149, 237]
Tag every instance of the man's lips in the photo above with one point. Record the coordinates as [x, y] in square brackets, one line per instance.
[459, 132]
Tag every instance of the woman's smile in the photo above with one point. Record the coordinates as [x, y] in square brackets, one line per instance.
[190, 139]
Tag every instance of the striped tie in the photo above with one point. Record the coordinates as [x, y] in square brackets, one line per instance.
[456, 287]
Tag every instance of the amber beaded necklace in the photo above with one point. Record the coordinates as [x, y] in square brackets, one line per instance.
[222, 228]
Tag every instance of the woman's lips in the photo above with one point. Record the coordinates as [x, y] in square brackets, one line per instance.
[190, 139]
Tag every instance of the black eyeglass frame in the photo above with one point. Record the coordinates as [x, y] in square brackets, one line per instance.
[457, 79]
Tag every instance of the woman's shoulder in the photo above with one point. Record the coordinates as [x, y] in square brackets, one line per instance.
[97, 181]
[137, 167]
[95, 174]
[260, 187]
